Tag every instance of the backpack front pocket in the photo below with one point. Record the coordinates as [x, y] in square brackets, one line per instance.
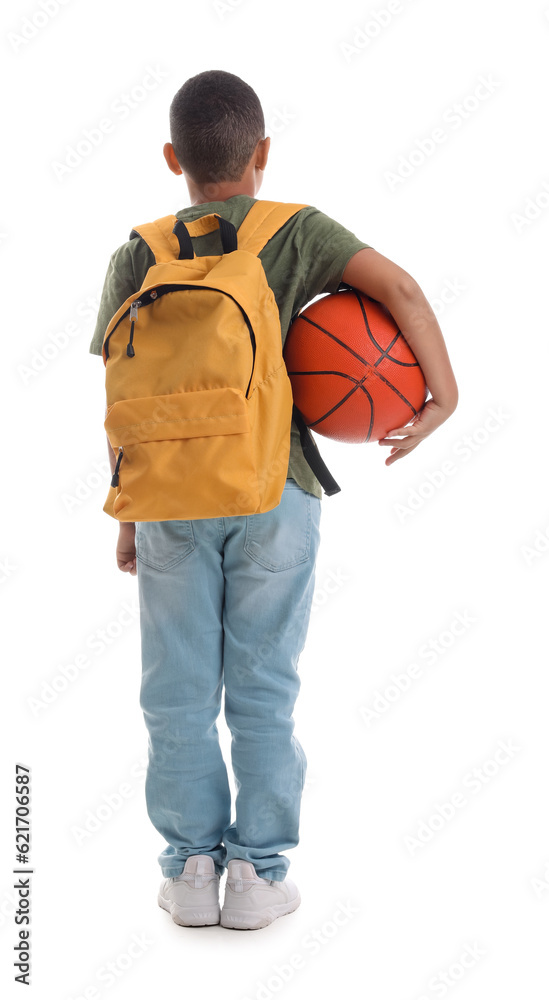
[177, 415]
[182, 455]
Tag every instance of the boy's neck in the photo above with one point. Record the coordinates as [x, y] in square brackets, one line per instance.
[200, 195]
[249, 184]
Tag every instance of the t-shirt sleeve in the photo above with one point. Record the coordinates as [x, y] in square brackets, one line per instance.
[118, 286]
[325, 248]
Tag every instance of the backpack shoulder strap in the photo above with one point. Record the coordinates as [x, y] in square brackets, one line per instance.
[263, 220]
[159, 237]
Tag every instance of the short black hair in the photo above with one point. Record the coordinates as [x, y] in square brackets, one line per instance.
[216, 121]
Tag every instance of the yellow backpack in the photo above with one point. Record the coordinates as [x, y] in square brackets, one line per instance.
[199, 402]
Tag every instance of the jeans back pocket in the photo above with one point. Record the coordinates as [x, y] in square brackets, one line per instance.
[163, 544]
[280, 538]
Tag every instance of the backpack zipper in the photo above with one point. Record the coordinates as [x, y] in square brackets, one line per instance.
[114, 480]
[130, 351]
[149, 296]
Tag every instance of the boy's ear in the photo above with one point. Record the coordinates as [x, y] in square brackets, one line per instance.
[262, 152]
[171, 159]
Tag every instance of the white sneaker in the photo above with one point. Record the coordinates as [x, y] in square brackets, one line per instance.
[192, 898]
[252, 902]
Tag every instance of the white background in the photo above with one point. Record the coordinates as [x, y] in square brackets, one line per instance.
[472, 215]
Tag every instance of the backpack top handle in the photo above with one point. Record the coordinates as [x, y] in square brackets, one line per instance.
[200, 227]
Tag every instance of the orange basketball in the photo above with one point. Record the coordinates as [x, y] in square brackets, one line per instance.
[353, 376]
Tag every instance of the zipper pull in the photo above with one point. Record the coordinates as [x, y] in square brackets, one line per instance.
[114, 480]
[130, 351]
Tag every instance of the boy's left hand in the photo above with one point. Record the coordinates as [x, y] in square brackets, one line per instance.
[431, 416]
[125, 549]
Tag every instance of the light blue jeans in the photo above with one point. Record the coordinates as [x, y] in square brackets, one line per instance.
[226, 600]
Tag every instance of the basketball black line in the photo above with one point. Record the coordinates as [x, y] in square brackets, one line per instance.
[309, 372]
[342, 375]
[341, 401]
[384, 352]
[367, 438]
[350, 393]
[353, 379]
[346, 347]
[337, 340]
[394, 388]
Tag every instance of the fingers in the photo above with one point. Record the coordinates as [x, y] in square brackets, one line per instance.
[402, 431]
[406, 442]
[400, 451]
[128, 567]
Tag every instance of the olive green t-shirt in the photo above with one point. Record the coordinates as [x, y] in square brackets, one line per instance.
[305, 258]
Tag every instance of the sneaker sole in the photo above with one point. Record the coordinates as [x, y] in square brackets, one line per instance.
[248, 920]
[188, 916]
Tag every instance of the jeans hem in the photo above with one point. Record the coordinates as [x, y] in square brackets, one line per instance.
[267, 873]
[172, 873]
[275, 875]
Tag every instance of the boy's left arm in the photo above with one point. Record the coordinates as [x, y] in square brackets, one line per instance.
[125, 546]
[119, 284]
[383, 280]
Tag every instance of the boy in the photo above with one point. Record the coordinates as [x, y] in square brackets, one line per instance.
[228, 600]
